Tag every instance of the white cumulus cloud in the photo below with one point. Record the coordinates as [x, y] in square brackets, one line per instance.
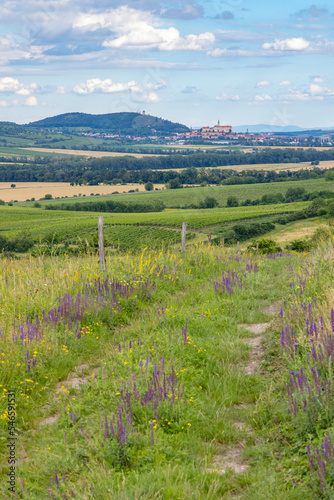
[263, 97]
[287, 44]
[136, 29]
[263, 83]
[225, 97]
[285, 83]
[31, 101]
[105, 86]
[12, 85]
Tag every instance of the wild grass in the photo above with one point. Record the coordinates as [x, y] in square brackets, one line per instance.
[161, 375]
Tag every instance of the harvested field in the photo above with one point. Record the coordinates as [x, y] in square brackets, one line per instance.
[272, 166]
[92, 154]
[27, 190]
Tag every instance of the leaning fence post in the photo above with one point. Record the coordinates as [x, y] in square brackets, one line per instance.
[209, 239]
[183, 237]
[101, 244]
[238, 246]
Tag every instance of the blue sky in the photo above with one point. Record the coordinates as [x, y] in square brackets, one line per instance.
[192, 61]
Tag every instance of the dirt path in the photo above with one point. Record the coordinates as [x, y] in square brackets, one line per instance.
[231, 458]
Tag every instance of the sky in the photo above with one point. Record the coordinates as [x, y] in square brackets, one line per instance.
[192, 61]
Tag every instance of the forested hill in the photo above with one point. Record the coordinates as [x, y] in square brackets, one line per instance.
[113, 122]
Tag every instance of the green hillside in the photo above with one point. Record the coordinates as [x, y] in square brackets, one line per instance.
[113, 122]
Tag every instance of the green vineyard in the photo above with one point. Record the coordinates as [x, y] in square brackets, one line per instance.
[72, 224]
[135, 238]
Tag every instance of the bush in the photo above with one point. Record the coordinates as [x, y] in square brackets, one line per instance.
[37, 205]
[21, 243]
[266, 246]
[149, 186]
[300, 245]
[330, 209]
[294, 194]
[232, 201]
[209, 202]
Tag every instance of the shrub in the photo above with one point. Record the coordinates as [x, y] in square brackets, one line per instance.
[300, 245]
[232, 201]
[209, 202]
[266, 246]
[330, 209]
[149, 186]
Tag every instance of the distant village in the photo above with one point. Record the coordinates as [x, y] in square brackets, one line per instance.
[216, 134]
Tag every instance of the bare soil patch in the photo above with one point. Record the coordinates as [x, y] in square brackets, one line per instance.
[257, 328]
[271, 310]
[229, 459]
[256, 353]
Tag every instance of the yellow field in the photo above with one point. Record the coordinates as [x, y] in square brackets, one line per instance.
[92, 154]
[270, 166]
[27, 190]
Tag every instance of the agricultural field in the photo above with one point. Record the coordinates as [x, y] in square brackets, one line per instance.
[270, 166]
[195, 195]
[71, 224]
[197, 375]
[27, 190]
[92, 154]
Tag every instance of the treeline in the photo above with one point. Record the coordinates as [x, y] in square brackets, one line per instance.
[195, 168]
[291, 195]
[108, 206]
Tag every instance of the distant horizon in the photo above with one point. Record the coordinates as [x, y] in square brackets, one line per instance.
[313, 127]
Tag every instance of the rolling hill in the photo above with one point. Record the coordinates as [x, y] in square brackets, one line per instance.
[112, 122]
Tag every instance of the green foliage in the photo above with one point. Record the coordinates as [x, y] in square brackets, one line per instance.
[265, 246]
[209, 202]
[20, 243]
[330, 209]
[300, 245]
[149, 186]
[232, 201]
[294, 193]
[109, 206]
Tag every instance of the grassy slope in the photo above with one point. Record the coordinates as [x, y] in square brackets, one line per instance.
[177, 460]
[187, 196]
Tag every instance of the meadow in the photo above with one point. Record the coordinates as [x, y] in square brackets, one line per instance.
[173, 198]
[198, 375]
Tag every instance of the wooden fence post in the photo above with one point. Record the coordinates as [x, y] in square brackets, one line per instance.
[238, 246]
[101, 244]
[257, 246]
[183, 237]
[209, 238]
